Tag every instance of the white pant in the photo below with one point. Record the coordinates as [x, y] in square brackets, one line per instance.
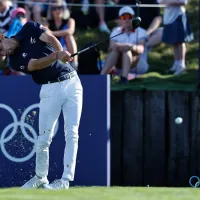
[54, 97]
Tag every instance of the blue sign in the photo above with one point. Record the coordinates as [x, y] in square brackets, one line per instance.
[19, 128]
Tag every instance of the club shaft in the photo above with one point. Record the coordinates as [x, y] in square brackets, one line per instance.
[94, 45]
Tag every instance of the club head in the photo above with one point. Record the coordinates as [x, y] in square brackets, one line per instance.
[136, 22]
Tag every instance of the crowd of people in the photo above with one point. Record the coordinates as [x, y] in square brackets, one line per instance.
[128, 52]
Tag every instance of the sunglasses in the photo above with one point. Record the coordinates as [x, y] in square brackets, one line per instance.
[126, 16]
[57, 8]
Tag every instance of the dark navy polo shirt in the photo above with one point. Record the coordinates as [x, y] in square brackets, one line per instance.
[31, 47]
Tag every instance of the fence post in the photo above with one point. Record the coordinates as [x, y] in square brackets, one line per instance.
[117, 111]
[178, 155]
[154, 138]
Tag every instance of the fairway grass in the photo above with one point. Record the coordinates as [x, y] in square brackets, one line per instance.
[102, 193]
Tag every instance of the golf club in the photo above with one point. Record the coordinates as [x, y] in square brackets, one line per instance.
[135, 24]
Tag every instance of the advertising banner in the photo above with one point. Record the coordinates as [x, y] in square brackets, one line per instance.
[19, 101]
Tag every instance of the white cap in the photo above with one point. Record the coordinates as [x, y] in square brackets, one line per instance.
[126, 9]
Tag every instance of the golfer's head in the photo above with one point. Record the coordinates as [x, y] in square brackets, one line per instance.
[126, 15]
[6, 48]
[2, 48]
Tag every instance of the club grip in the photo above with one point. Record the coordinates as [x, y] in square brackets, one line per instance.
[74, 54]
[81, 51]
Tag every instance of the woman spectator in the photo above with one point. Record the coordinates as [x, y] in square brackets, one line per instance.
[63, 27]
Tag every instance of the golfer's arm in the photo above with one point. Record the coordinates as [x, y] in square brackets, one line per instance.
[41, 63]
[52, 40]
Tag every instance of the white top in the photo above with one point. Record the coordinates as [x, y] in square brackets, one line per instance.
[130, 37]
[171, 13]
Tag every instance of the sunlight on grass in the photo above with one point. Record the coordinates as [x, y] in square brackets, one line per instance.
[103, 193]
[156, 75]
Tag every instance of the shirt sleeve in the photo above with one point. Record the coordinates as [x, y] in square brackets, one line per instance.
[20, 63]
[28, 29]
[38, 29]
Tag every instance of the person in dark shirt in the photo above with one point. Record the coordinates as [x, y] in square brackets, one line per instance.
[37, 52]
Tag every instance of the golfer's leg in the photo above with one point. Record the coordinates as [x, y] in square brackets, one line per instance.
[50, 109]
[110, 62]
[126, 63]
[72, 109]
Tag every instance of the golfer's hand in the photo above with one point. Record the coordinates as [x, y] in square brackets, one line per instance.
[64, 56]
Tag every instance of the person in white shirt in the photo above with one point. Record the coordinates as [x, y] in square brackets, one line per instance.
[127, 51]
[176, 31]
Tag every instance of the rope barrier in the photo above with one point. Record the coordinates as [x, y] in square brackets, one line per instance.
[91, 5]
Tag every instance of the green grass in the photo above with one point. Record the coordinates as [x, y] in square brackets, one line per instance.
[160, 59]
[102, 193]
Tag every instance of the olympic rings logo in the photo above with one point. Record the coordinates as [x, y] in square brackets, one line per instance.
[196, 180]
[23, 126]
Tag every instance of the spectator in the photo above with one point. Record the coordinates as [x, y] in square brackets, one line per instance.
[20, 4]
[18, 20]
[101, 15]
[90, 16]
[151, 19]
[63, 27]
[37, 10]
[127, 51]
[5, 15]
[176, 31]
